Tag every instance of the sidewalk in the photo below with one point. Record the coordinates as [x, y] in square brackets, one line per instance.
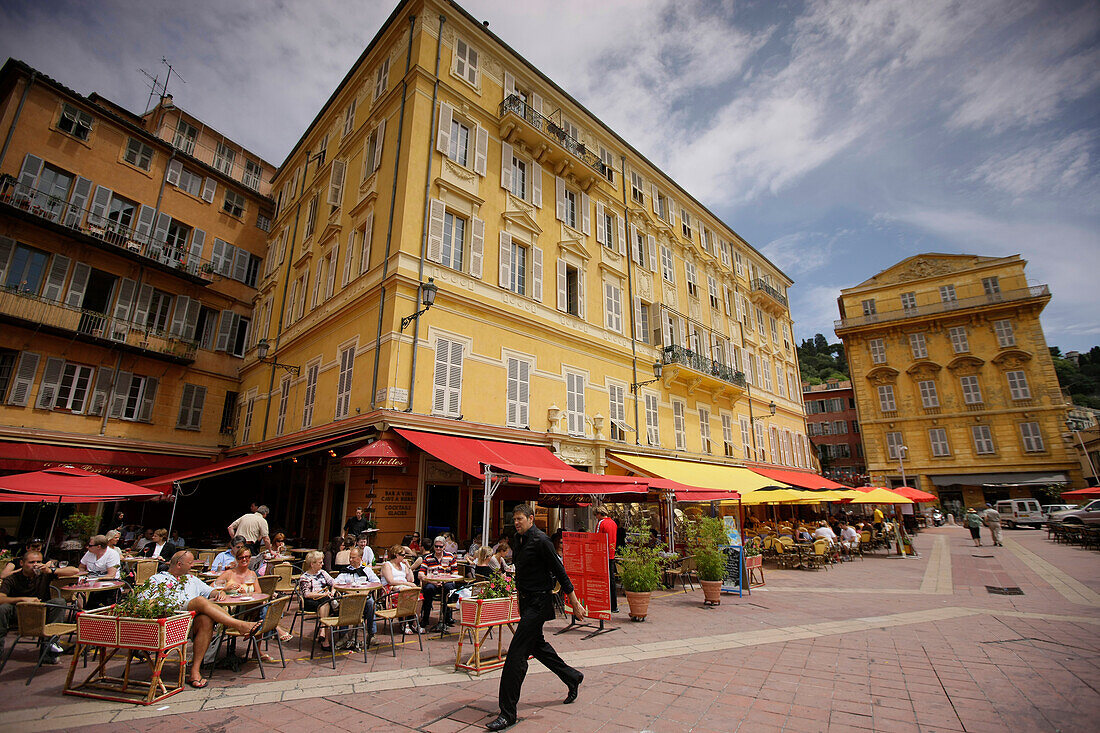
[883, 644]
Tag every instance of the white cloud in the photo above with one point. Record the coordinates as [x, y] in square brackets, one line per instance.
[816, 309]
[1055, 168]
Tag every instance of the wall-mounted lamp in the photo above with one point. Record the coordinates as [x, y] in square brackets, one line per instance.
[319, 156]
[657, 367]
[261, 351]
[331, 453]
[428, 292]
[771, 412]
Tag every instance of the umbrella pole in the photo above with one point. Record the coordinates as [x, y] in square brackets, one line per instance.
[37, 515]
[175, 500]
[49, 537]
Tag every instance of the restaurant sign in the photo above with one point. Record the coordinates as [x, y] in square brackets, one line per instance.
[380, 453]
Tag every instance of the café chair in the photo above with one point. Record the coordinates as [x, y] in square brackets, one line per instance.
[275, 610]
[401, 611]
[349, 618]
[145, 570]
[286, 580]
[267, 583]
[301, 615]
[33, 629]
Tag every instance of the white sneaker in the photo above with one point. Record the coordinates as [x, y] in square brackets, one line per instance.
[56, 648]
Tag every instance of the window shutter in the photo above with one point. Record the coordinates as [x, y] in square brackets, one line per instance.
[191, 320]
[51, 377]
[28, 176]
[654, 265]
[225, 330]
[335, 260]
[79, 283]
[683, 331]
[561, 284]
[436, 212]
[608, 305]
[78, 199]
[198, 241]
[725, 253]
[364, 246]
[120, 325]
[621, 223]
[477, 247]
[656, 210]
[349, 257]
[175, 169]
[726, 298]
[580, 294]
[672, 213]
[100, 201]
[24, 379]
[179, 316]
[586, 214]
[148, 396]
[443, 134]
[336, 182]
[55, 280]
[145, 223]
[101, 391]
[160, 234]
[454, 379]
[513, 392]
[639, 335]
[240, 264]
[141, 311]
[599, 223]
[509, 84]
[318, 282]
[439, 379]
[536, 103]
[559, 194]
[481, 151]
[7, 244]
[120, 393]
[536, 275]
[289, 304]
[222, 257]
[523, 417]
[188, 397]
[633, 239]
[506, 155]
[380, 135]
[505, 260]
[209, 188]
[536, 185]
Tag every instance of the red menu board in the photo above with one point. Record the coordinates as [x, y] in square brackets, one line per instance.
[585, 558]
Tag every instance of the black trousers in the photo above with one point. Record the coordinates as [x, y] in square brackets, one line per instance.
[611, 578]
[430, 591]
[535, 609]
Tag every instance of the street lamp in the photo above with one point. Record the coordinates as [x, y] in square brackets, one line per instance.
[657, 367]
[1074, 427]
[771, 412]
[261, 351]
[902, 450]
[428, 291]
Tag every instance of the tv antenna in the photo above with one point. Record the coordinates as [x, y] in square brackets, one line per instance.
[169, 77]
[154, 89]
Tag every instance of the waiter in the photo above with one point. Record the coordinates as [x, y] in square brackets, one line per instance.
[537, 567]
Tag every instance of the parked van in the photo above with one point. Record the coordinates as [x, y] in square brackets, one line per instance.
[1017, 512]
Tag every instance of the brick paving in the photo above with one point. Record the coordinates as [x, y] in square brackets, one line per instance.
[880, 644]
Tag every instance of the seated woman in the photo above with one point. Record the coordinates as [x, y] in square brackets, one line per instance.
[242, 579]
[482, 569]
[507, 548]
[335, 545]
[315, 585]
[449, 543]
[343, 557]
[396, 571]
[499, 560]
[414, 543]
[277, 549]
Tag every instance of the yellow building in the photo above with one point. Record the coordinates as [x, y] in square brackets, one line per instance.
[130, 246]
[953, 375]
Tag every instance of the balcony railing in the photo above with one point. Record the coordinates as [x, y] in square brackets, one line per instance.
[235, 168]
[761, 286]
[1035, 291]
[698, 362]
[110, 227]
[50, 314]
[575, 147]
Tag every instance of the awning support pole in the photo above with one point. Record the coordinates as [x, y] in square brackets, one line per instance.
[491, 486]
[175, 500]
[53, 523]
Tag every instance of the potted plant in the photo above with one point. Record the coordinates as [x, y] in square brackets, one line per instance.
[639, 565]
[495, 604]
[704, 538]
[80, 525]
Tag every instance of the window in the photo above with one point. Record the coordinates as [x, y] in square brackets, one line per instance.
[234, 203]
[121, 214]
[1033, 438]
[869, 307]
[704, 429]
[223, 158]
[959, 342]
[191, 402]
[284, 402]
[459, 149]
[238, 343]
[766, 371]
[185, 137]
[991, 285]
[886, 398]
[972, 392]
[138, 154]
[908, 301]
[311, 216]
[947, 294]
[727, 435]
[613, 307]
[1006, 336]
[983, 439]
[519, 393]
[136, 397]
[7, 368]
[685, 223]
[263, 222]
[668, 274]
[73, 388]
[918, 346]
[229, 410]
[310, 395]
[517, 275]
[75, 122]
[712, 288]
[1017, 385]
[253, 173]
[465, 64]
[26, 269]
[454, 238]
[519, 178]
[652, 417]
[937, 438]
[246, 426]
[761, 443]
[878, 351]
[190, 182]
[381, 77]
[372, 149]
[570, 217]
[840, 427]
[678, 427]
[637, 188]
[928, 396]
[760, 323]
[638, 247]
[663, 210]
[616, 395]
[574, 403]
[160, 306]
[343, 384]
[894, 445]
[608, 160]
[689, 276]
[775, 330]
[447, 382]
[175, 240]
[608, 227]
[572, 290]
[781, 388]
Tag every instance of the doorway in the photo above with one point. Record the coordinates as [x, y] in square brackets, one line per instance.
[97, 298]
[441, 512]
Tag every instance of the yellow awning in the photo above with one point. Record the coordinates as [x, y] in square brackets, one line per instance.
[880, 496]
[713, 476]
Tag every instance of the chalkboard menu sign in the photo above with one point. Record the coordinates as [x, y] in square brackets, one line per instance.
[734, 557]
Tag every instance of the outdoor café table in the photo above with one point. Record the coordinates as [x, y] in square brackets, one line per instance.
[353, 588]
[84, 586]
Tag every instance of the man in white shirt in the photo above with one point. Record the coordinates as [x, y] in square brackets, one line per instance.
[363, 543]
[824, 531]
[848, 536]
[253, 527]
[357, 573]
[100, 561]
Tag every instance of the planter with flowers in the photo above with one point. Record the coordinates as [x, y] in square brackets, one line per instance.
[145, 621]
[494, 606]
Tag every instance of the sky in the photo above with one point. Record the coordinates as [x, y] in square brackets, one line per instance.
[837, 137]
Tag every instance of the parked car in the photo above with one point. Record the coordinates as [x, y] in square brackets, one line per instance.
[1020, 512]
[1088, 514]
[1049, 509]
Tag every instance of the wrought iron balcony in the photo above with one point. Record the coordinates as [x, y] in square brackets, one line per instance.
[34, 311]
[700, 363]
[760, 286]
[929, 309]
[516, 106]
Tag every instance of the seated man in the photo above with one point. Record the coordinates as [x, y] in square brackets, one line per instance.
[30, 584]
[227, 559]
[192, 594]
[439, 562]
[363, 544]
[824, 531]
[356, 573]
[849, 538]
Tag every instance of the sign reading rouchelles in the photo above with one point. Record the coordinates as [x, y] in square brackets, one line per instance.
[585, 557]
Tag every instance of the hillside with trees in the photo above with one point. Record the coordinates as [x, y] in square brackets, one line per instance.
[819, 360]
[1079, 379]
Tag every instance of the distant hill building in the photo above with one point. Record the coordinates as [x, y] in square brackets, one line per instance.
[832, 425]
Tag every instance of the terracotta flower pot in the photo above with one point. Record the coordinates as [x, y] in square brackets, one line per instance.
[639, 605]
[712, 592]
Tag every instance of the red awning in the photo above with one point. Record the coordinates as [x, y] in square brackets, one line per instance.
[68, 482]
[383, 452]
[36, 456]
[1090, 493]
[216, 468]
[801, 479]
[685, 493]
[916, 495]
[534, 461]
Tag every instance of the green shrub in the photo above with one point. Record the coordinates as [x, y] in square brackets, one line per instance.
[149, 600]
[80, 525]
[704, 536]
[640, 569]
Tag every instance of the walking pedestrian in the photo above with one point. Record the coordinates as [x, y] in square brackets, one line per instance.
[973, 522]
[537, 567]
[993, 520]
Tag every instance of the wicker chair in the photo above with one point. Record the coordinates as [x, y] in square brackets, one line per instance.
[401, 611]
[145, 570]
[267, 583]
[300, 613]
[206, 558]
[33, 629]
[350, 618]
[270, 629]
[285, 573]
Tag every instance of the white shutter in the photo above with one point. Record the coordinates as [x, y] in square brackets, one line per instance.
[481, 151]
[561, 285]
[191, 320]
[656, 210]
[28, 176]
[79, 283]
[439, 377]
[144, 226]
[179, 316]
[580, 294]
[78, 199]
[225, 330]
[599, 223]
[512, 392]
[289, 304]
[51, 377]
[101, 391]
[443, 134]
[175, 169]
[120, 393]
[23, 379]
[505, 260]
[141, 310]
[506, 154]
[536, 275]
[523, 417]
[218, 256]
[364, 246]
[160, 234]
[586, 214]
[683, 331]
[198, 240]
[55, 280]
[120, 325]
[336, 182]
[536, 103]
[100, 201]
[454, 379]
[536, 185]
[559, 196]
[349, 257]
[477, 247]
[639, 334]
[209, 188]
[335, 259]
[654, 265]
[240, 264]
[631, 244]
[620, 222]
[436, 212]
[148, 396]
[509, 84]
[672, 213]
[380, 135]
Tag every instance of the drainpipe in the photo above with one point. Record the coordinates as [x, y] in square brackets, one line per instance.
[389, 224]
[424, 223]
[282, 320]
[18, 111]
[630, 291]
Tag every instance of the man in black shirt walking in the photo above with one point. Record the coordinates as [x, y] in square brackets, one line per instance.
[537, 568]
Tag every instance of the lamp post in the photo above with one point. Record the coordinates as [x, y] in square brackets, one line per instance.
[657, 367]
[428, 292]
[261, 352]
[1076, 430]
[902, 450]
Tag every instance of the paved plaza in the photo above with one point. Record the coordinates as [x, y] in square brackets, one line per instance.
[881, 644]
